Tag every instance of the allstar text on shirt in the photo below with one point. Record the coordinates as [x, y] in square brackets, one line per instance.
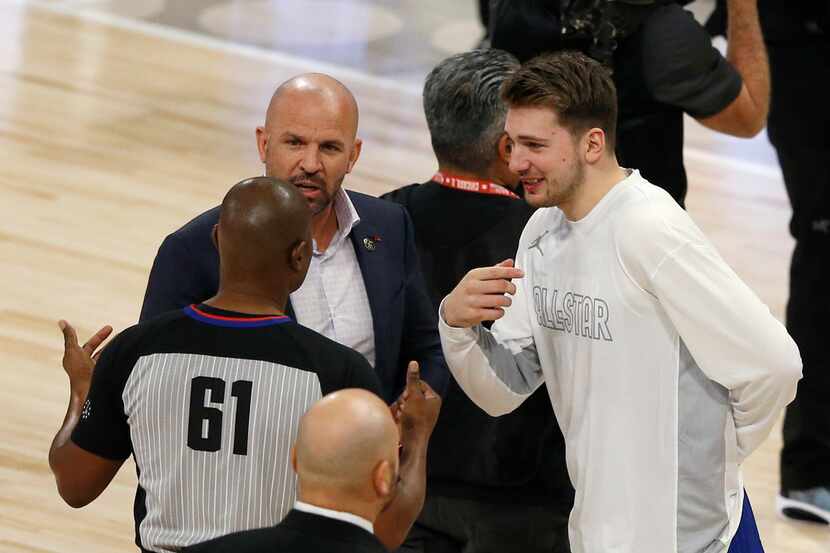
[573, 313]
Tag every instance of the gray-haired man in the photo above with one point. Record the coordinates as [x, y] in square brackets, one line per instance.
[491, 483]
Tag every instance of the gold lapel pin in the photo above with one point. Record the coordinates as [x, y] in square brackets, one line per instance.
[369, 244]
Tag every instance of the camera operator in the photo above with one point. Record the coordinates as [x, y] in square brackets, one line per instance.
[663, 65]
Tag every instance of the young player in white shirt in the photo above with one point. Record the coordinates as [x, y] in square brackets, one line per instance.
[665, 370]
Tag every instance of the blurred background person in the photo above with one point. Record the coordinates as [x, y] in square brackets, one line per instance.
[664, 65]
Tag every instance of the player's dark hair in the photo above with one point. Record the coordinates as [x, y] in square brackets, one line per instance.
[579, 89]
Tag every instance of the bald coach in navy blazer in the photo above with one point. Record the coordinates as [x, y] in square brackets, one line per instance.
[186, 271]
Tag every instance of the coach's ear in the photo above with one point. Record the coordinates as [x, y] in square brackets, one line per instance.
[354, 154]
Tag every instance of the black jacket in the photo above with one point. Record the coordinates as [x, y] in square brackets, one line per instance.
[299, 532]
[515, 458]
[666, 67]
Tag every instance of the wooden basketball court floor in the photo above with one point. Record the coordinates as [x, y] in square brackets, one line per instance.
[111, 136]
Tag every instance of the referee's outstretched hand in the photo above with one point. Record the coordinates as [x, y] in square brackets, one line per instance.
[79, 361]
[481, 295]
[418, 406]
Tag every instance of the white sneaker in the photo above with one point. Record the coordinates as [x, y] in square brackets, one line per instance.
[812, 505]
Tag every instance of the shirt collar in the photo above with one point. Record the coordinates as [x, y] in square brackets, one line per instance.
[347, 219]
[336, 515]
[596, 213]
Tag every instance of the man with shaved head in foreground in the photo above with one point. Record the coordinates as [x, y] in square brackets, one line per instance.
[347, 467]
[207, 398]
[364, 288]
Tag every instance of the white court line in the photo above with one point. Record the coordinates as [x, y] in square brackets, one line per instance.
[305, 64]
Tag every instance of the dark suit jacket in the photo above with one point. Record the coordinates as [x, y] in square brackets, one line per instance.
[299, 532]
[186, 270]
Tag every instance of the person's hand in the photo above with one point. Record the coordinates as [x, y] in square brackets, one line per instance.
[79, 361]
[481, 295]
[418, 406]
[397, 407]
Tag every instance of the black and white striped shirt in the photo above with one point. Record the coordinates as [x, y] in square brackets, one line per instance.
[208, 402]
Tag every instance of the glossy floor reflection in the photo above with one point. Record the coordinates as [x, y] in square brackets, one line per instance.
[401, 39]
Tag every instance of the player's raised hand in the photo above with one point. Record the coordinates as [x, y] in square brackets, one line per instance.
[481, 295]
[419, 405]
[79, 361]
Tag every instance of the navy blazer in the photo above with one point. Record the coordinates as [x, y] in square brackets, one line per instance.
[186, 270]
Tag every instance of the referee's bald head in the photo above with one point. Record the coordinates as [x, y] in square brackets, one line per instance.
[263, 235]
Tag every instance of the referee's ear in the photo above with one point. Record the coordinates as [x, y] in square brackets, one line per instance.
[300, 257]
[214, 236]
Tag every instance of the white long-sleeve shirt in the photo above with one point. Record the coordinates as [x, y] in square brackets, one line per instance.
[664, 369]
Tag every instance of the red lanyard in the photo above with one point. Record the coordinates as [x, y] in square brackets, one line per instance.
[472, 185]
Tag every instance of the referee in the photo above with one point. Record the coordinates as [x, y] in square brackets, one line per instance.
[208, 398]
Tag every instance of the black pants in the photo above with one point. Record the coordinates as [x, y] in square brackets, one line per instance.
[451, 525]
[798, 129]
